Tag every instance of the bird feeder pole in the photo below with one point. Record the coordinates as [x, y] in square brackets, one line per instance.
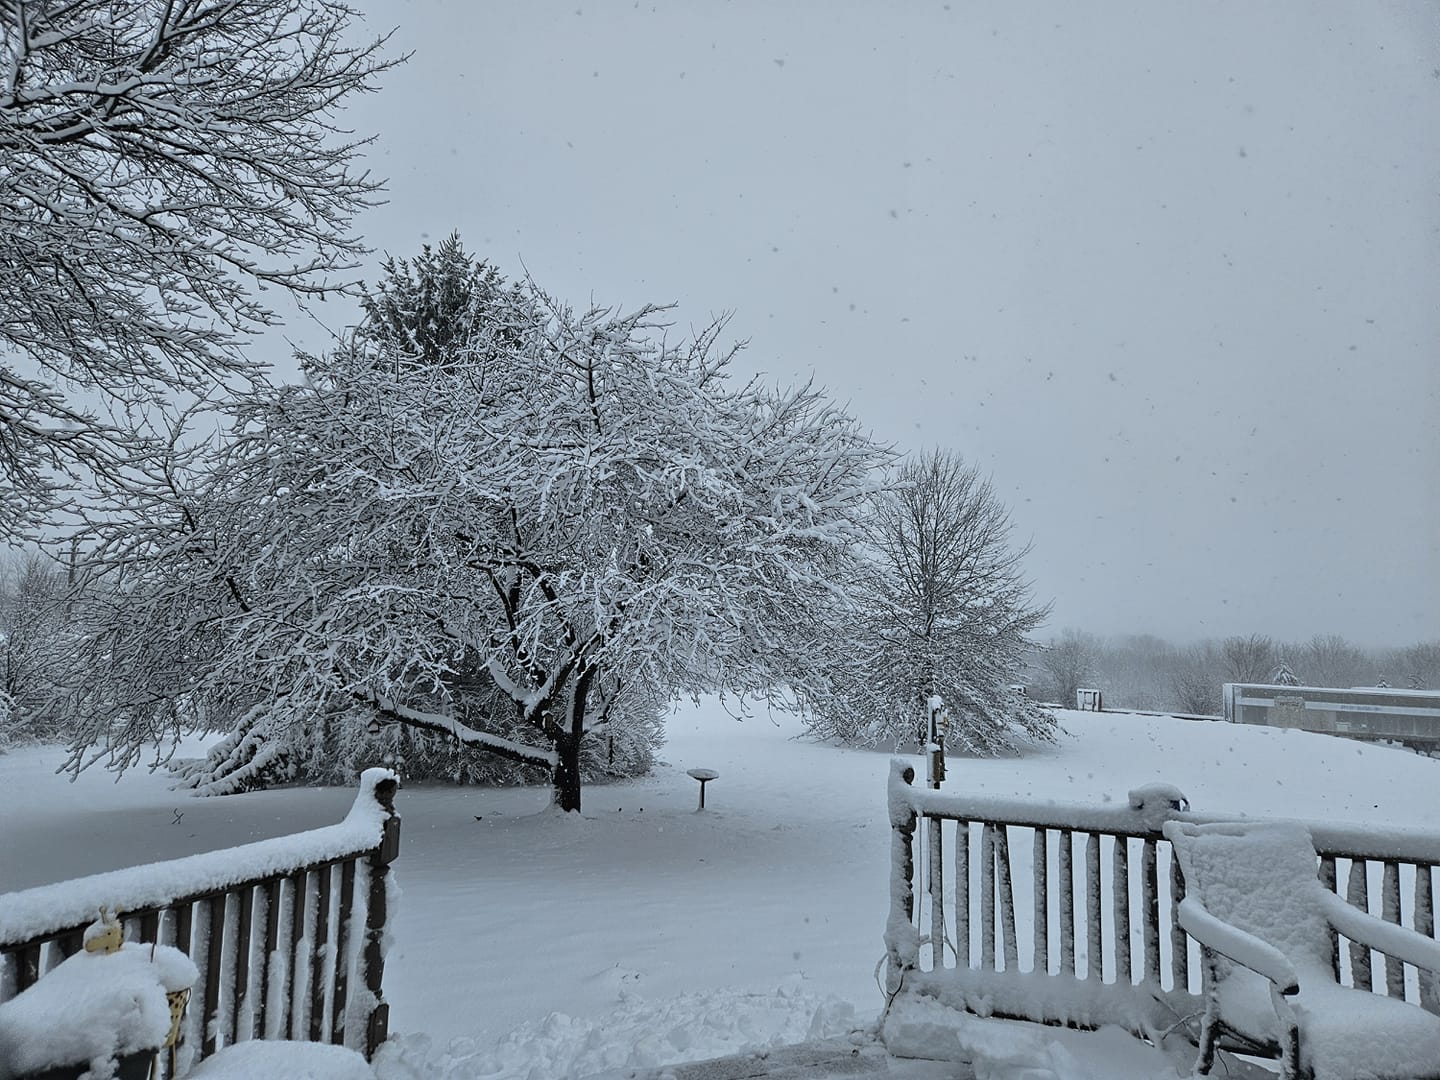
[939, 722]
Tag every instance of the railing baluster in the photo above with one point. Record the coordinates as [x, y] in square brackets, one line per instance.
[64, 947]
[1179, 940]
[1007, 898]
[1390, 912]
[1095, 960]
[319, 954]
[987, 897]
[210, 1001]
[184, 931]
[184, 927]
[27, 967]
[294, 1001]
[1120, 862]
[242, 1016]
[268, 899]
[1065, 867]
[937, 894]
[1425, 924]
[343, 942]
[1330, 881]
[1040, 962]
[1150, 903]
[962, 894]
[1358, 893]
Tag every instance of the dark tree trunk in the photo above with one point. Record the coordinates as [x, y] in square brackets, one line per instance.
[567, 744]
[567, 771]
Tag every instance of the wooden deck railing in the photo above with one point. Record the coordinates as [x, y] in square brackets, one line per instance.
[278, 929]
[1080, 902]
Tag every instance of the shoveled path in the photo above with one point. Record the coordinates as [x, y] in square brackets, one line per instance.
[841, 1058]
[821, 1060]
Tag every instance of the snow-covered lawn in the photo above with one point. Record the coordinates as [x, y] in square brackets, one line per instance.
[534, 944]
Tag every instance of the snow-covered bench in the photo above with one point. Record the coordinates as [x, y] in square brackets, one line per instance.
[970, 873]
[1267, 931]
[269, 966]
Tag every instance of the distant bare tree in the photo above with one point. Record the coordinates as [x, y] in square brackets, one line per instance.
[1070, 663]
[1330, 660]
[160, 160]
[1133, 670]
[1248, 659]
[1419, 664]
[1196, 678]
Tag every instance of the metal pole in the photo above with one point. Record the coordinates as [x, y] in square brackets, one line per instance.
[935, 746]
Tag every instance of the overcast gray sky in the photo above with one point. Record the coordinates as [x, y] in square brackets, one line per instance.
[1168, 270]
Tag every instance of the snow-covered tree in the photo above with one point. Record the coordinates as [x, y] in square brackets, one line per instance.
[1283, 675]
[524, 548]
[160, 161]
[32, 644]
[947, 611]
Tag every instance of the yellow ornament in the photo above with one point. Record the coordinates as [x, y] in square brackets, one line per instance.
[178, 999]
[105, 935]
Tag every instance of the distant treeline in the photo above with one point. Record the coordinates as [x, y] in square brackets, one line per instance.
[1141, 671]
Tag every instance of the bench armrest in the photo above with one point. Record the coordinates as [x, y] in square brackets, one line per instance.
[1238, 945]
[1398, 941]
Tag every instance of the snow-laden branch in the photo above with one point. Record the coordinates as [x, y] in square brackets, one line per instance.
[159, 161]
[448, 725]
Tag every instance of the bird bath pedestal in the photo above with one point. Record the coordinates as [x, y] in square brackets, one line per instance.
[704, 776]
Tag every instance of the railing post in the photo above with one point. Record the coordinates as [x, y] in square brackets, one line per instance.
[902, 942]
[377, 1029]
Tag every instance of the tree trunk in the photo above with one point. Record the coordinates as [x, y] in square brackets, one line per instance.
[567, 743]
[567, 771]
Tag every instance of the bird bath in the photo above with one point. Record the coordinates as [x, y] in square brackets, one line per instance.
[704, 776]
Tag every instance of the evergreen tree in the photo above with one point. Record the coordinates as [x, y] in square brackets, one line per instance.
[1283, 675]
[440, 307]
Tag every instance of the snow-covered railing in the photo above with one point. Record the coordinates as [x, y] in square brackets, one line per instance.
[966, 888]
[278, 928]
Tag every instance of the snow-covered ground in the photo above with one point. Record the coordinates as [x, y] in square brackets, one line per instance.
[534, 944]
